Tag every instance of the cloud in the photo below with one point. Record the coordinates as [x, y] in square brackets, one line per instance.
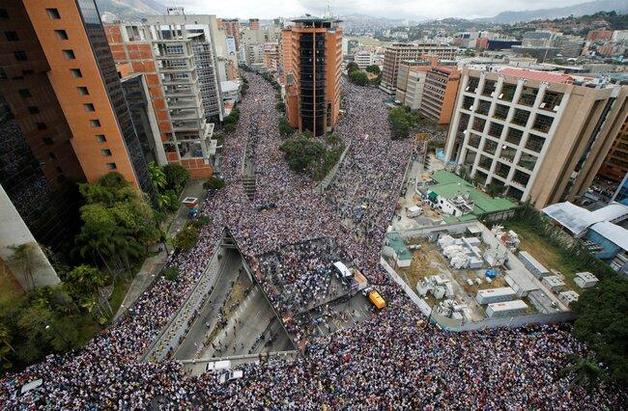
[400, 9]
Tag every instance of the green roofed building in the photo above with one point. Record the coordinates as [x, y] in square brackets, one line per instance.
[396, 247]
[460, 200]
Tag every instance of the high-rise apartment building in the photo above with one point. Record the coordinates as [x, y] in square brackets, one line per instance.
[232, 28]
[534, 135]
[60, 56]
[439, 93]
[312, 48]
[410, 82]
[399, 52]
[185, 60]
[615, 167]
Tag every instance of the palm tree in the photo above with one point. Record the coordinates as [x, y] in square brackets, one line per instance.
[5, 337]
[157, 176]
[25, 256]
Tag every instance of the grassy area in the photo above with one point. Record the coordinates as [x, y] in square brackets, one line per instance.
[546, 253]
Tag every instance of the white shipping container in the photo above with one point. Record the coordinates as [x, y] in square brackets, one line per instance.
[506, 309]
[495, 295]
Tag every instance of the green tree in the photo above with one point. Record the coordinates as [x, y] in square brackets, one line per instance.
[285, 130]
[25, 256]
[213, 183]
[281, 106]
[400, 123]
[373, 68]
[168, 201]
[157, 176]
[83, 281]
[186, 239]
[302, 153]
[603, 323]
[171, 273]
[351, 67]
[176, 176]
[585, 372]
[359, 77]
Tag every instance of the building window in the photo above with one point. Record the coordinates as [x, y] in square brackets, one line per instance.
[53, 14]
[521, 117]
[528, 96]
[3, 14]
[11, 36]
[495, 130]
[41, 126]
[27, 72]
[33, 109]
[52, 156]
[112, 166]
[69, 54]
[551, 101]
[501, 111]
[76, 73]
[24, 93]
[59, 170]
[490, 147]
[489, 88]
[101, 138]
[521, 178]
[542, 123]
[61, 34]
[83, 91]
[508, 92]
[535, 143]
[105, 152]
[48, 141]
[483, 107]
[514, 136]
[94, 123]
[478, 124]
[89, 107]
[20, 56]
[3, 74]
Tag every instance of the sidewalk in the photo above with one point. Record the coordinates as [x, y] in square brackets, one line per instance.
[152, 265]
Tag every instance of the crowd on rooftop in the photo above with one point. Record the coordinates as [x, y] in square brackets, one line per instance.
[392, 359]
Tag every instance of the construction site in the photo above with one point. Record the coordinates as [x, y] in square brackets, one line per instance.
[469, 274]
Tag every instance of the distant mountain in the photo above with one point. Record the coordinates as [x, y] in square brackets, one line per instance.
[592, 7]
[128, 9]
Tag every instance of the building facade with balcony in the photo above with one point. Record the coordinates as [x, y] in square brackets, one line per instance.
[537, 136]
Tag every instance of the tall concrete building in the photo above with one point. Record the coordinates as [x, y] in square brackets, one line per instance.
[59, 76]
[399, 52]
[410, 82]
[312, 56]
[615, 167]
[183, 50]
[439, 93]
[254, 24]
[536, 136]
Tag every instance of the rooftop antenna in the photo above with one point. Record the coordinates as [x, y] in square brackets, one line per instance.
[328, 10]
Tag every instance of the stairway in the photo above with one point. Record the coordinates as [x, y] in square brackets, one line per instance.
[249, 186]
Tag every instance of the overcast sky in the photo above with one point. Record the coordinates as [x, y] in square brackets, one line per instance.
[387, 8]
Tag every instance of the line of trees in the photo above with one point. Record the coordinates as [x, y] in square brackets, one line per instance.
[315, 157]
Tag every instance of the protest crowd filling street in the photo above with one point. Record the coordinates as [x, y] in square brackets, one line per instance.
[289, 234]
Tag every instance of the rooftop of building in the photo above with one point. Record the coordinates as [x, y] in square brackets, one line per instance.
[449, 185]
[577, 220]
[537, 75]
[612, 232]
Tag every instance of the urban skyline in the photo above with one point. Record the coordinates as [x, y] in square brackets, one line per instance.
[402, 10]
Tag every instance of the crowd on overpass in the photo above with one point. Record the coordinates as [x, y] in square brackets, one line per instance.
[391, 358]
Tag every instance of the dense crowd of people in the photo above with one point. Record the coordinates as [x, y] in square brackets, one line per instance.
[390, 360]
